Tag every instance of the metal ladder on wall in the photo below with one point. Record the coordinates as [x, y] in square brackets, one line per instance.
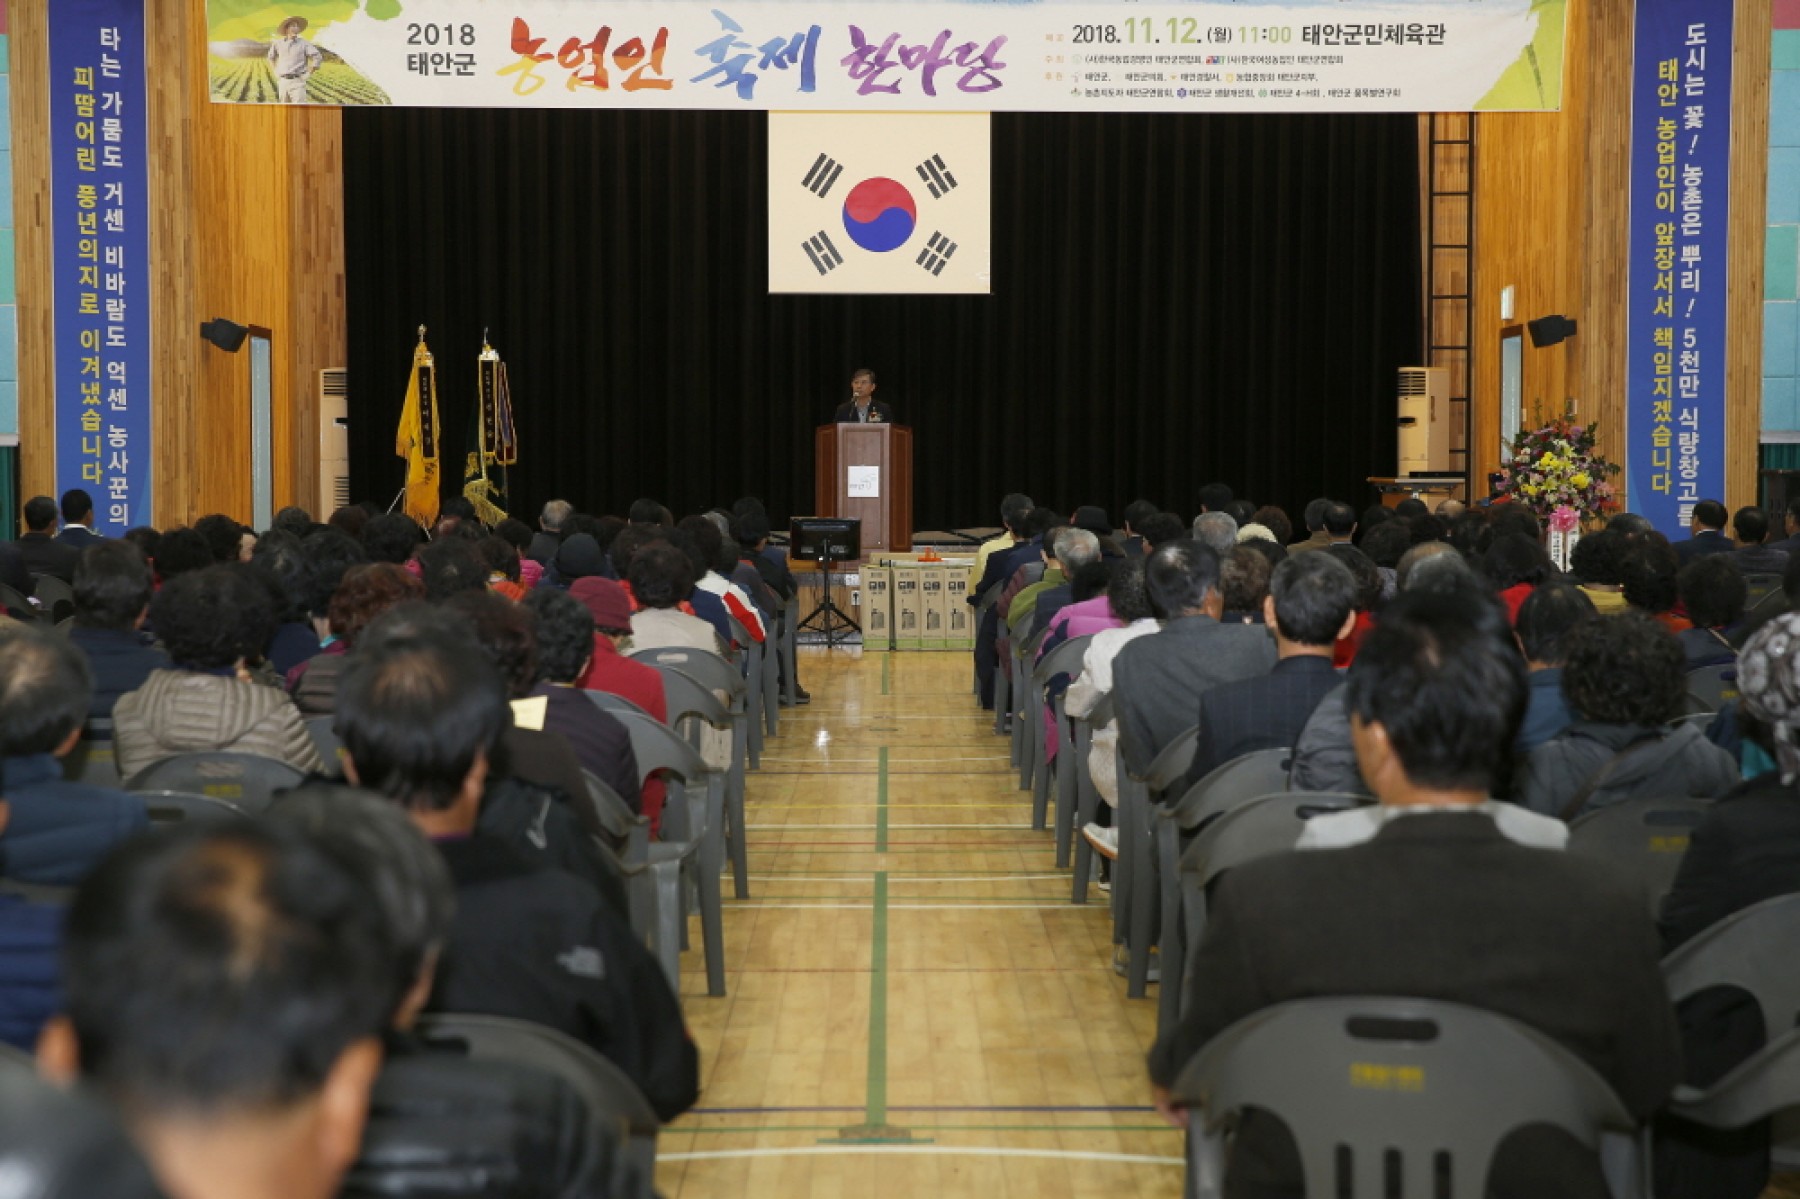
[1449, 265]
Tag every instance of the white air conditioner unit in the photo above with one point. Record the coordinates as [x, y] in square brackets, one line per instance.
[334, 440]
[1424, 420]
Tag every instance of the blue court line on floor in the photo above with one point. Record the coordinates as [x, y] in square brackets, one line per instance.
[754, 1111]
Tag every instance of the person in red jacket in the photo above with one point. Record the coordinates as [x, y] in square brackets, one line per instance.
[611, 671]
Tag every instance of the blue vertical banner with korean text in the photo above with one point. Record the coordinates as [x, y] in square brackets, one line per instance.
[1680, 174]
[99, 198]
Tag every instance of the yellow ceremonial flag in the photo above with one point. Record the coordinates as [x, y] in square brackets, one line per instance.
[417, 441]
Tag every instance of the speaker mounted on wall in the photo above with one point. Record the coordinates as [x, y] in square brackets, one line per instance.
[1550, 330]
[227, 335]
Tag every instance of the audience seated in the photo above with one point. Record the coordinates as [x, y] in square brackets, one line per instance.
[112, 598]
[78, 519]
[1027, 529]
[710, 555]
[1713, 593]
[1128, 601]
[1708, 529]
[1651, 571]
[1542, 625]
[1159, 681]
[30, 967]
[1625, 679]
[214, 622]
[227, 985]
[1369, 587]
[1515, 565]
[391, 537]
[226, 539]
[43, 554]
[451, 565]
[1754, 555]
[1744, 850]
[367, 590]
[64, 1144]
[1437, 902]
[1598, 565]
[58, 830]
[1310, 608]
[288, 577]
[1244, 584]
[421, 721]
[439, 1123]
[565, 647]
[1217, 530]
[1131, 545]
[548, 539]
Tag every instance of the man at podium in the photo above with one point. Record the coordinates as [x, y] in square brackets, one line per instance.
[863, 408]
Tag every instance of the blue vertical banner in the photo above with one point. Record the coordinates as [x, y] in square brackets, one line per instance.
[1680, 176]
[99, 217]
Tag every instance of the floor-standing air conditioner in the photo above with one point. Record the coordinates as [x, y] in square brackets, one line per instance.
[334, 440]
[1424, 420]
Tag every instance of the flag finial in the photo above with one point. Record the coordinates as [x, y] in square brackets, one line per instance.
[421, 334]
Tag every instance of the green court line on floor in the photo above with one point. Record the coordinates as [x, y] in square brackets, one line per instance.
[885, 663]
[876, 1116]
[881, 805]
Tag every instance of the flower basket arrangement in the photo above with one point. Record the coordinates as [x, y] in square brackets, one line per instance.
[1556, 466]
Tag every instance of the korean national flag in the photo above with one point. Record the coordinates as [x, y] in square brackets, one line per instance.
[878, 202]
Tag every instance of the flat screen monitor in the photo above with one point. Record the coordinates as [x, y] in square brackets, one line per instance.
[825, 539]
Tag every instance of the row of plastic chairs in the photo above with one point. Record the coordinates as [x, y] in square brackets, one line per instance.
[1450, 1083]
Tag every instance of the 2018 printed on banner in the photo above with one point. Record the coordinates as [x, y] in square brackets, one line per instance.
[944, 55]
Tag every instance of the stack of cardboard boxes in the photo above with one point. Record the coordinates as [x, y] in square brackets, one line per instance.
[913, 604]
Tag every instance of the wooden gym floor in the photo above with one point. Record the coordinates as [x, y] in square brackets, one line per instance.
[914, 1006]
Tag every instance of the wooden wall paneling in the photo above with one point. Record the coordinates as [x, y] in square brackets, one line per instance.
[1600, 250]
[318, 339]
[30, 71]
[1744, 250]
[174, 253]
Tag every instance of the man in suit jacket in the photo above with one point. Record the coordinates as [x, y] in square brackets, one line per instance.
[1755, 556]
[1708, 529]
[43, 554]
[78, 520]
[1158, 680]
[862, 408]
[1437, 904]
[1311, 606]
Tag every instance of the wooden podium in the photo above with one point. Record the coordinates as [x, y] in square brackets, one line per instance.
[844, 456]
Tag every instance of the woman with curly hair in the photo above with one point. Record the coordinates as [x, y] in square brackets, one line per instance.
[214, 623]
[1625, 678]
[368, 589]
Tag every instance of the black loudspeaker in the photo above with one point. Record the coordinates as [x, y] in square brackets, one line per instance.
[1549, 330]
[227, 335]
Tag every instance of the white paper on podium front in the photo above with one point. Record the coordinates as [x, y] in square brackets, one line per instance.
[864, 482]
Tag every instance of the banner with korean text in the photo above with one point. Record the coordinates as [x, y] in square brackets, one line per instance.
[99, 207]
[1680, 171]
[958, 55]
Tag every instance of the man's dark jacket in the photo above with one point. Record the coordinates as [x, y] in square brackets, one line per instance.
[1264, 712]
[44, 555]
[1158, 680]
[879, 413]
[540, 945]
[1440, 906]
[120, 660]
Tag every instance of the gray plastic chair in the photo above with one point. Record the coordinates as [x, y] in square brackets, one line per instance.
[56, 597]
[1760, 1087]
[174, 807]
[1173, 826]
[1002, 670]
[325, 740]
[1759, 587]
[93, 760]
[657, 747]
[1372, 1084]
[1021, 732]
[1135, 871]
[652, 871]
[690, 704]
[1263, 826]
[1713, 686]
[607, 1089]
[1752, 950]
[1087, 796]
[243, 780]
[18, 606]
[1064, 659]
[1645, 838]
[606, 701]
[751, 657]
[1029, 726]
[790, 641]
[715, 674]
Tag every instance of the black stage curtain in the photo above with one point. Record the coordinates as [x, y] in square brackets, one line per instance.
[1176, 299]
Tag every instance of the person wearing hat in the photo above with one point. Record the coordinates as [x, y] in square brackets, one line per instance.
[1094, 519]
[293, 59]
